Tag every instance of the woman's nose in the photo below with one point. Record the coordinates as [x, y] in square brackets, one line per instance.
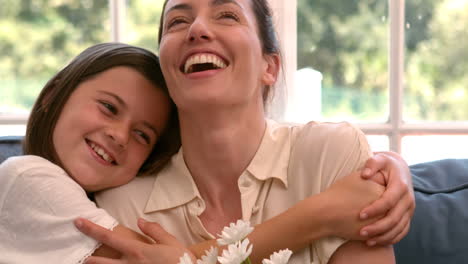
[199, 31]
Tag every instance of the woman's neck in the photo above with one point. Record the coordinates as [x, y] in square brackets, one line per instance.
[218, 146]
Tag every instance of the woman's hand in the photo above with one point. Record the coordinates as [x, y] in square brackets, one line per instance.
[167, 248]
[397, 202]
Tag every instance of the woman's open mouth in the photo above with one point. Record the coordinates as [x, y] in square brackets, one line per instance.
[203, 62]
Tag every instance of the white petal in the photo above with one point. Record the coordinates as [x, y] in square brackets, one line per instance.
[210, 257]
[185, 259]
[235, 232]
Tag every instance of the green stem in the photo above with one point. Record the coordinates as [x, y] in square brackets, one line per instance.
[247, 261]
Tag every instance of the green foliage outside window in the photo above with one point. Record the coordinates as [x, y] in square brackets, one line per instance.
[37, 38]
[346, 40]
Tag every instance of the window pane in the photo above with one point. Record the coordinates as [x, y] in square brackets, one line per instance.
[12, 130]
[416, 149]
[143, 23]
[37, 38]
[342, 59]
[436, 60]
[378, 143]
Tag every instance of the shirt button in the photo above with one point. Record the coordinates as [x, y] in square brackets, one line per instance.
[246, 183]
[255, 209]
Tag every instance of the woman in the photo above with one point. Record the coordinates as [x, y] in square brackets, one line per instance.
[220, 60]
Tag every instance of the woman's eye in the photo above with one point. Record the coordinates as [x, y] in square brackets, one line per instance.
[109, 107]
[176, 21]
[228, 15]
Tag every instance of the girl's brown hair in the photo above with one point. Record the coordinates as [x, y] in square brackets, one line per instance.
[92, 61]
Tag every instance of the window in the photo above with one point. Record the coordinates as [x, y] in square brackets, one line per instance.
[396, 68]
[136, 22]
[37, 38]
[436, 60]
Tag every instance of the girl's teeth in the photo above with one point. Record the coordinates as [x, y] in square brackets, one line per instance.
[101, 152]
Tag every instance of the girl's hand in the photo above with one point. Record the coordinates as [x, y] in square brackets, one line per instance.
[344, 200]
[167, 248]
[397, 202]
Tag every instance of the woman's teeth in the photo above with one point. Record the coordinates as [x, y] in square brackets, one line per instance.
[212, 60]
[101, 152]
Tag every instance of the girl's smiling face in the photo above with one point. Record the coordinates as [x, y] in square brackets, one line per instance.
[211, 53]
[109, 126]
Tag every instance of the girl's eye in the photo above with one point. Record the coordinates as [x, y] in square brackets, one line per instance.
[143, 136]
[176, 21]
[109, 107]
[228, 15]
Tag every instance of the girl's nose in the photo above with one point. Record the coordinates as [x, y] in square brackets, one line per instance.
[119, 134]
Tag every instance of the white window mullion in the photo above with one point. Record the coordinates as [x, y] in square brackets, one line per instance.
[285, 13]
[11, 119]
[117, 16]
[436, 128]
[396, 71]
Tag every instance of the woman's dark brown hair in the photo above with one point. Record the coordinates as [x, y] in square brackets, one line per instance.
[266, 32]
[92, 61]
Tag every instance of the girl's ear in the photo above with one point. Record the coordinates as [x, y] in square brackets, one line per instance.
[272, 69]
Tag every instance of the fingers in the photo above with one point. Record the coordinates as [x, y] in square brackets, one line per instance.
[390, 198]
[402, 234]
[392, 236]
[101, 260]
[156, 232]
[103, 235]
[379, 178]
[374, 164]
[395, 220]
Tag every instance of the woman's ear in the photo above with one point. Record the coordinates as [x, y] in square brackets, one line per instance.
[273, 64]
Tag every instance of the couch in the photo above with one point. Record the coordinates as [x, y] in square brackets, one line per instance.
[438, 233]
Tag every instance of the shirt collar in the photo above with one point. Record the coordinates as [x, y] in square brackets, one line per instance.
[174, 185]
[272, 157]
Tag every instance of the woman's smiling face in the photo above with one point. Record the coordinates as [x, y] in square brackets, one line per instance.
[211, 53]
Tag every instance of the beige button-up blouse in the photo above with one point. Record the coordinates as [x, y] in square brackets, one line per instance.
[293, 162]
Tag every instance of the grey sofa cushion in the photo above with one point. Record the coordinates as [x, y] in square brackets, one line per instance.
[438, 232]
[10, 146]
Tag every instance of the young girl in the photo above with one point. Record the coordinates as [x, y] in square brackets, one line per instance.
[100, 121]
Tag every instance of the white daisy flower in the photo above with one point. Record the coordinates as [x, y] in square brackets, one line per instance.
[210, 257]
[280, 257]
[236, 253]
[185, 259]
[234, 232]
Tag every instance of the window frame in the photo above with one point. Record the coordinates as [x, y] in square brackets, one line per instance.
[117, 9]
[395, 128]
[285, 13]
